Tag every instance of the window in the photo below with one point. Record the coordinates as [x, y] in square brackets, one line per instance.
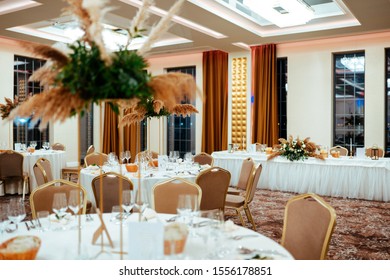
[282, 96]
[349, 99]
[181, 131]
[24, 129]
[387, 86]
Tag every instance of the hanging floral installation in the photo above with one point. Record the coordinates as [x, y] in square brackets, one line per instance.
[89, 73]
[295, 149]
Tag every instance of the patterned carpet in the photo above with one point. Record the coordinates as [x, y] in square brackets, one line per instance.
[362, 229]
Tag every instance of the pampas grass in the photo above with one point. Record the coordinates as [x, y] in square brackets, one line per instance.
[162, 27]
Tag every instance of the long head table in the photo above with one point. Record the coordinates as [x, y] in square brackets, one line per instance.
[361, 178]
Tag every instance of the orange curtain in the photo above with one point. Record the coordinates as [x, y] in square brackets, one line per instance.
[131, 135]
[132, 139]
[265, 107]
[110, 131]
[215, 103]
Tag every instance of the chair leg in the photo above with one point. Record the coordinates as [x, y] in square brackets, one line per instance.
[250, 218]
[240, 216]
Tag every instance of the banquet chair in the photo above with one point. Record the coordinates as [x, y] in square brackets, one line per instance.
[204, 158]
[12, 177]
[214, 183]
[247, 168]
[343, 151]
[58, 147]
[369, 152]
[42, 171]
[69, 171]
[41, 198]
[165, 195]
[308, 226]
[95, 158]
[109, 184]
[241, 202]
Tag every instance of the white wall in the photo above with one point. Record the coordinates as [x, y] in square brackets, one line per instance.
[310, 82]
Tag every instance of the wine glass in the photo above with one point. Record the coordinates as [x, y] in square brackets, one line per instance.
[16, 211]
[127, 201]
[127, 156]
[60, 205]
[33, 144]
[4, 222]
[122, 157]
[75, 202]
[46, 145]
[187, 204]
[141, 202]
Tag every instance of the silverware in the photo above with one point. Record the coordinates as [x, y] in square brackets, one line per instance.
[239, 237]
[246, 251]
[89, 218]
[28, 228]
[172, 219]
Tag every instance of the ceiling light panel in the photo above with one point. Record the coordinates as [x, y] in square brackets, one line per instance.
[10, 6]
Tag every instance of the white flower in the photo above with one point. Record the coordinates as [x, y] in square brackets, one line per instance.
[303, 146]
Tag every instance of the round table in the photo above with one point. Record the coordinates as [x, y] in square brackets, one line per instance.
[195, 247]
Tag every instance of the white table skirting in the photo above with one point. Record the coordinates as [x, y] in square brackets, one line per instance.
[361, 178]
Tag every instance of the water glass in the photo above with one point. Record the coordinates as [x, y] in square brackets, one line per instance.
[43, 218]
[60, 205]
[127, 201]
[116, 214]
[186, 206]
[16, 211]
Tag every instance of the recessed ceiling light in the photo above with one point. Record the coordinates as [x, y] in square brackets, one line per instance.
[179, 20]
[9, 6]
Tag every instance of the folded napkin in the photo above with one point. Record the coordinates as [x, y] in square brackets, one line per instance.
[149, 214]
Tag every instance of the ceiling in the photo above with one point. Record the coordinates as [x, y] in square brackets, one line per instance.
[221, 24]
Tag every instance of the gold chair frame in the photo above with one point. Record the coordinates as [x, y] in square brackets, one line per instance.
[172, 180]
[203, 154]
[56, 183]
[331, 224]
[94, 154]
[343, 151]
[381, 152]
[42, 169]
[247, 198]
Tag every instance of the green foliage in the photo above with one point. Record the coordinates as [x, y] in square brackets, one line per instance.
[150, 110]
[88, 75]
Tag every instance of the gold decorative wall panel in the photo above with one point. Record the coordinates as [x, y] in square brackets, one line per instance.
[239, 101]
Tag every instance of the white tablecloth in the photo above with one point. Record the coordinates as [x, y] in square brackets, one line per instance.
[147, 181]
[52, 246]
[361, 178]
[56, 158]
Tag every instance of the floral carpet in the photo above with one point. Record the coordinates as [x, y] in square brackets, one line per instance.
[362, 230]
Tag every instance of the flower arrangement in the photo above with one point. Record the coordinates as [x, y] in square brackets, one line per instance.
[295, 149]
[87, 72]
[5, 109]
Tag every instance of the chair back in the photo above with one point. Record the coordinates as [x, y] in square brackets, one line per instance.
[214, 183]
[42, 171]
[58, 147]
[90, 150]
[308, 226]
[343, 151]
[11, 164]
[247, 169]
[109, 184]
[41, 198]
[165, 195]
[254, 180]
[95, 158]
[204, 158]
[370, 153]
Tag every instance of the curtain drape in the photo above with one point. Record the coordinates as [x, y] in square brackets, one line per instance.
[131, 135]
[215, 103]
[265, 107]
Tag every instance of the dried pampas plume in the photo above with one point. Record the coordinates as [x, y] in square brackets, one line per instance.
[162, 26]
[140, 18]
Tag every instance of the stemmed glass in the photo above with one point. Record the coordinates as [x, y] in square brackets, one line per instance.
[60, 205]
[127, 156]
[33, 144]
[128, 201]
[122, 157]
[75, 203]
[16, 211]
[142, 203]
[4, 222]
[46, 145]
[187, 205]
